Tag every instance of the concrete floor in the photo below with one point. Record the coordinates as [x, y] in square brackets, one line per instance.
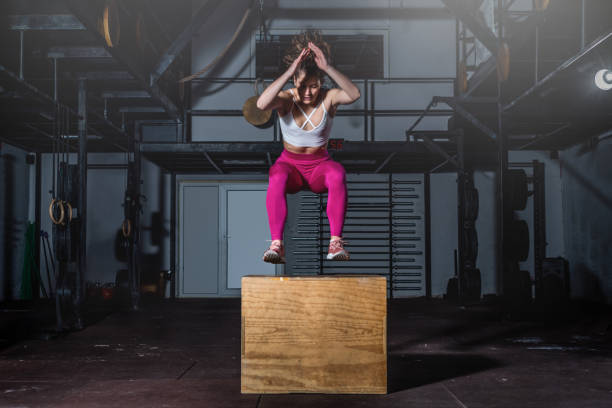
[183, 354]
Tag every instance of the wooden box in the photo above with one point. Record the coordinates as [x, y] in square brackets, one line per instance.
[325, 334]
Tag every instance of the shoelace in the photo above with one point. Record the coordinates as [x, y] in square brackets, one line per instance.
[277, 247]
[337, 243]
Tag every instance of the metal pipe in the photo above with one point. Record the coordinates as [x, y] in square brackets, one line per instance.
[37, 210]
[390, 237]
[365, 109]
[501, 171]
[457, 57]
[82, 205]
[135, 253]
[537, 55]
[173, 235]
[55, 79]
[583, 24]
[427, 197]
[21, 54]
[372, 111]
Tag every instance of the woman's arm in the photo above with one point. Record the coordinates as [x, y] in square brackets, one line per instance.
[271, 97]
[348, 92]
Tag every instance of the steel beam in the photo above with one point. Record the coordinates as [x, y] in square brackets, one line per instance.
[102, 75]
[82, 205]
[125, 94]
[212, 162]
[277, 147]
[601, 41]
[53, 22]
[78, 52]
[385, 162]
[177, 46]
[141, 109]
[340, 112]
[435, 148]
[464, 12]
[88, 17]
[42, 97]
[452, 102]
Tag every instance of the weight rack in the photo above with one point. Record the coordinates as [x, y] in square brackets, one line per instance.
[384, 229]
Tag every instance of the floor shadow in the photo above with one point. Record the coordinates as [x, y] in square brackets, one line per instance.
[407, 371]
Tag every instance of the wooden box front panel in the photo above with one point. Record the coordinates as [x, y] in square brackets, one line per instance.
[324, 334]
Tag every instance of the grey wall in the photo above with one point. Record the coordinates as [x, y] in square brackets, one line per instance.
[416, 45]
[14, 202]
[587, 205]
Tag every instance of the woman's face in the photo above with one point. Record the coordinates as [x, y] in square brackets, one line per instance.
[308, 87]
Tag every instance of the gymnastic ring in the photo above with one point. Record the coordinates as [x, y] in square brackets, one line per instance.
[69, 211]
[62, 212]
[126, 228]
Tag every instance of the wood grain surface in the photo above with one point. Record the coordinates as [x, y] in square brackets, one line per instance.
[324, 334]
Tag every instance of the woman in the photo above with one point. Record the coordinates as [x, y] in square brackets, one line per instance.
[306, 114]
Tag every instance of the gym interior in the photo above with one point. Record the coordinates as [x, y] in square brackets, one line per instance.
[133, 179]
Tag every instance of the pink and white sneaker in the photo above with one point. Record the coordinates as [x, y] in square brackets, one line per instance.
[275, 254]
[337, 252]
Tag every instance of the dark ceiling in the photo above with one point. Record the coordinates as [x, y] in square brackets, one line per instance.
[136, 81]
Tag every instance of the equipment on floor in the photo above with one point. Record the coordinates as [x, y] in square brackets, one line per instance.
[516, 180]
[555, 285]
[334, 342]
[517, 240]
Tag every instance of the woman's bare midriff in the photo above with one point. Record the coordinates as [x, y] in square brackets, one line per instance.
[304, 149]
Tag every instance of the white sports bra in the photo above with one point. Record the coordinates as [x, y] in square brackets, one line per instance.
[297, 136]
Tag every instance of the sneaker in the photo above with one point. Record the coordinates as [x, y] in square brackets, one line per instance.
[275, 254]
[337, 251]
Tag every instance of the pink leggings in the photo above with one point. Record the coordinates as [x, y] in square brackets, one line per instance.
[293, 172]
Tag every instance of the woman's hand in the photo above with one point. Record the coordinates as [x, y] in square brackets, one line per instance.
[319, 57]
[296, 63]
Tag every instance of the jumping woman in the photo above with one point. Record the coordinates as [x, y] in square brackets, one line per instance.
[306, 114]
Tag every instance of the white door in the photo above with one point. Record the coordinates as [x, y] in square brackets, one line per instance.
[198, 239]
[246, 232]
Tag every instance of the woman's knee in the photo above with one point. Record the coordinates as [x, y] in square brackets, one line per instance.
[335, 175]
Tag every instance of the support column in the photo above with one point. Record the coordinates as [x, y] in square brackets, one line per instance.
[134, 270]
[427, 193]
[173, 264]
[502, 153]
[461, 253]
[82, 208]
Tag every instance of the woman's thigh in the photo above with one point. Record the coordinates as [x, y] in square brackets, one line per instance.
[325, 174]
[283, 172]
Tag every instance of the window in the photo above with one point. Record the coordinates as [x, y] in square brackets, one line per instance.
[357, 56]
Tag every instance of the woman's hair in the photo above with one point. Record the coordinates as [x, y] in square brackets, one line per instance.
[308, 65]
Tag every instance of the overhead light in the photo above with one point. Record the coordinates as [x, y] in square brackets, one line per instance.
[603, 79]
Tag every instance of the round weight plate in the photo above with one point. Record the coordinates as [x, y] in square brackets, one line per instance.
[141, 32]
[471, 204]
[110, 23]
[462, 78]
[471, 245]
[253, 114]
[503, 62]
[541, 5]
[471, 284]
[452, 289]
[517, 189]
[517, 241]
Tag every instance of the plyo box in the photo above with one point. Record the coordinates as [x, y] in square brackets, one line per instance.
[323, 334]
